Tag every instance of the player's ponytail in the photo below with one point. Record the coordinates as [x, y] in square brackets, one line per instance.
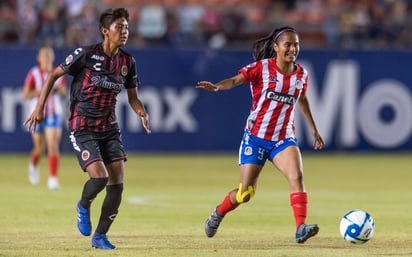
[263, 48]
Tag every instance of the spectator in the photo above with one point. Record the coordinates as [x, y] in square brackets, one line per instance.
[212, 26]
[82, 25]
[28, 23]
[52, 17]
[215, 23]
[74, 8]
[8, 22]
[331, 23]
[189, 16]
[152, 23]
[254, 25]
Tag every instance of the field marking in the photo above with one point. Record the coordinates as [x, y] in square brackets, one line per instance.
[146, 201]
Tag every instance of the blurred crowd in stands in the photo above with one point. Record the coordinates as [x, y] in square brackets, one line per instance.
[344, 24]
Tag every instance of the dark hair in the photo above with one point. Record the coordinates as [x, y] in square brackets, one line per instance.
[110, 15]
[263, 48]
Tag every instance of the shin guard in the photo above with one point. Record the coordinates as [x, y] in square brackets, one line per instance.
[110, 207]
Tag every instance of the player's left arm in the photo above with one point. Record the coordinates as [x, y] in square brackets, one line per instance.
[304, 106]
[138, 108]
[131, 84]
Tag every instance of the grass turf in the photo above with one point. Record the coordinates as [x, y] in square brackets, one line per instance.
[168, 197]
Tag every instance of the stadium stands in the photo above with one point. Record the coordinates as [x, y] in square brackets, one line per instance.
[349, 24]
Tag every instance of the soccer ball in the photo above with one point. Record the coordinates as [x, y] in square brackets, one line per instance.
[357, 227]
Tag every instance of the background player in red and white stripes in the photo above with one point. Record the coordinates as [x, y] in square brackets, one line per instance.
[48, 133]
[277, 85]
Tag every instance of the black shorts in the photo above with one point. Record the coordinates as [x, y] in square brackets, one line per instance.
[91, 147]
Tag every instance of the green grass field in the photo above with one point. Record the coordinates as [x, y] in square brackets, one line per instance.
[168, 197]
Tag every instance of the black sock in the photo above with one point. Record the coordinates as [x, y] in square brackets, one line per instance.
[90, 190]
[110, 207]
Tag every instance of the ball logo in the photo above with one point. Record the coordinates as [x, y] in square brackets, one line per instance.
[368, 232]
[85, 155]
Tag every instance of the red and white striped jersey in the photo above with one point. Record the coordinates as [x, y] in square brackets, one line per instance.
[274, 97]
[35, 79]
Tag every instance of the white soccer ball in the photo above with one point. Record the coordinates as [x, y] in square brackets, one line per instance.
[357, 227]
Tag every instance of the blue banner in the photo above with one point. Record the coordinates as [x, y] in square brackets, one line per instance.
[361, 100]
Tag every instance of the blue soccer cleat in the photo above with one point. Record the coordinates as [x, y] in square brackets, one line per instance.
[100, 241]
[304, 232]
[83, 220]
[212, 223]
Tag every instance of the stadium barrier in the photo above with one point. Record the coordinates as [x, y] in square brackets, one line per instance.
[361, 100]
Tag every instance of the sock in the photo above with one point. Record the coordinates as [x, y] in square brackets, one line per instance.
[110, 207]
[226, 206]
[53, 165]
[34, 158]
[299, 201]
[90, 190]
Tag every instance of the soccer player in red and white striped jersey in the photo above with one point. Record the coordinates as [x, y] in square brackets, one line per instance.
[48, 133]
[277, 85]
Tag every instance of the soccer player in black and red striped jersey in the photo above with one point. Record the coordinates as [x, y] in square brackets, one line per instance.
[99, 73]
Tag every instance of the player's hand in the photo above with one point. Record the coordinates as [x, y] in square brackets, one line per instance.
[318, 142]
[35, 118]
[145, 122]
[206, 85]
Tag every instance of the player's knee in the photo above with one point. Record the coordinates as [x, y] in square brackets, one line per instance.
[244, 197]
[99, 183]
[295, 179]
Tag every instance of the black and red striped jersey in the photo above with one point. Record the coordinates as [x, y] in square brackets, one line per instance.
[97, 80]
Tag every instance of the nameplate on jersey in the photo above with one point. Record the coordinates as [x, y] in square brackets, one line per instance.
[279, 97]
[103, 82]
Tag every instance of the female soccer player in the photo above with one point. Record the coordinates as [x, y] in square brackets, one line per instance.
[99, 73]
[277, 84]
[48, 133]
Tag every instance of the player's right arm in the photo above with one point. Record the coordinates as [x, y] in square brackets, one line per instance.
[29, 92]
[29, 89]
[37, 115]
[225, 84]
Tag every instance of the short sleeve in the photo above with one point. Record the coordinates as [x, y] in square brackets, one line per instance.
[251, 71]
[29, 80]
[304, 79]
[131, 78]
[74, 61]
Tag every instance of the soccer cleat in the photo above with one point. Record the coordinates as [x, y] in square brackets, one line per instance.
[212, 223]
[100, 241]
[34, 174]
[53, 183]
[304, 232]
[83, 220]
